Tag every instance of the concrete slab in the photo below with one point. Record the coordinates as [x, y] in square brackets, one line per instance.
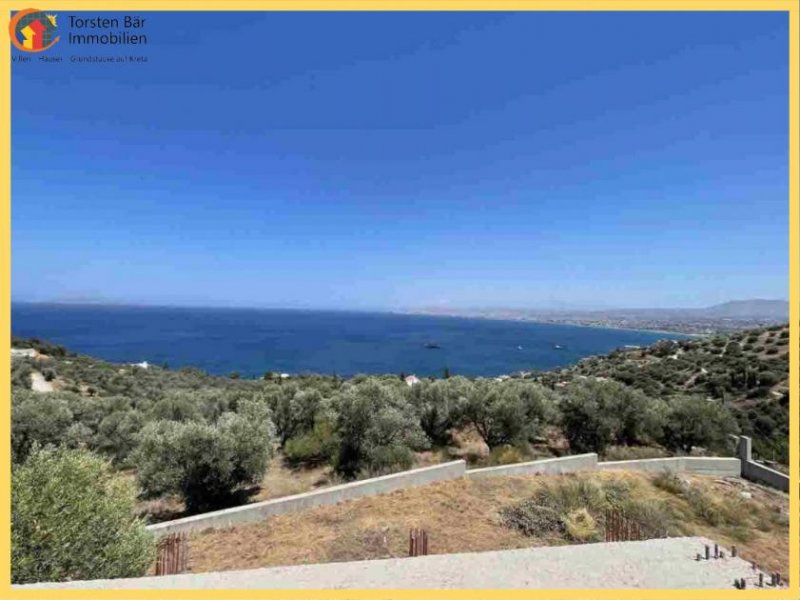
[652, 564]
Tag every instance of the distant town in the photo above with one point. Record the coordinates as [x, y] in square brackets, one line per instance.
[722, 318]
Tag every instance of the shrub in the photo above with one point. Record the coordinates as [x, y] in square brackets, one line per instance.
[41, 346]
[654, 517]
[71, 518]
[21, 371]
[318, 445]
[702, 505]
[530, 518]
[506, 455]
[634, 453]
[78, 435]
[580, 526]
[177, 406]
[117, 434]
[669, 482]
[574, 507]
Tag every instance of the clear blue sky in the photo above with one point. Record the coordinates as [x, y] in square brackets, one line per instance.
[398, 160]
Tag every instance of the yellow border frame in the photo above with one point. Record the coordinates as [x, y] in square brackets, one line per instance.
[791, 7]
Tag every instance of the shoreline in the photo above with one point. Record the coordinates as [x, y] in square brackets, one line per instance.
[542, 322]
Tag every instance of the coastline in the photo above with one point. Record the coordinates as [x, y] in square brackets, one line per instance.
[567, 323]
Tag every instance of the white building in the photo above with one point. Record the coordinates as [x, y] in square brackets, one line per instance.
[411, 380]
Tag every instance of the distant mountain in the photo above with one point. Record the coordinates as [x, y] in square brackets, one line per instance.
[748, 309]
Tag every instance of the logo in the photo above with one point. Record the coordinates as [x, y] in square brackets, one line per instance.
[32, 30]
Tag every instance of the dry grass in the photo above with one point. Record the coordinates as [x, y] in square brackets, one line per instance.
[464, 516]
[757, 526]
[369, 528]
[282, 480]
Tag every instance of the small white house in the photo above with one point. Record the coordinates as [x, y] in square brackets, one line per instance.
[411, 380]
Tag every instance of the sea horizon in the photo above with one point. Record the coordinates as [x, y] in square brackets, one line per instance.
[253, 341]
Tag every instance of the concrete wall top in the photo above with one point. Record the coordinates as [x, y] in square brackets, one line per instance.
[550, 466]
[708, 465]
[674, 463]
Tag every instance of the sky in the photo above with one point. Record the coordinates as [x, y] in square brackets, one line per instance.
[394, 161]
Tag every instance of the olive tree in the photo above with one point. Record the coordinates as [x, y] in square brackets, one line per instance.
[595, 414]
[205, 463]
[293, 410]
[73, 518]
[440, 404]
[697, 422]
[377, 429]
[506, 412]
[586, 419]
[37, 418]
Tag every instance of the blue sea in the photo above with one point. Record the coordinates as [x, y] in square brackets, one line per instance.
[253, 341]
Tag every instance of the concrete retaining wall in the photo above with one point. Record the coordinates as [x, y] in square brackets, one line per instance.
[647, 464]
[763, 474]
[550, 466]
[332, 495]
[758, 472]
[712, 465]
[715, 466]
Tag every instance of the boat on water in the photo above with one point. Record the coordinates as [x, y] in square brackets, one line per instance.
[558, 347]
[432, 346]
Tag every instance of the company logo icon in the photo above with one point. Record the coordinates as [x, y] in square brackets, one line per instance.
[32, 30]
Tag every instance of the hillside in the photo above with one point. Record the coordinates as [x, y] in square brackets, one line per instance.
[748, 371]
[310, 431]
[749, 309]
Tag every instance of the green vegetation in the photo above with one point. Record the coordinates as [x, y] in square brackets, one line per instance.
[207, 441]
[693, 421]
[574, 508]
[207, 438]
[734, 515]
[377, 428]
[72, 518]
[596, 414]
[747, 372]
[205, 463]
